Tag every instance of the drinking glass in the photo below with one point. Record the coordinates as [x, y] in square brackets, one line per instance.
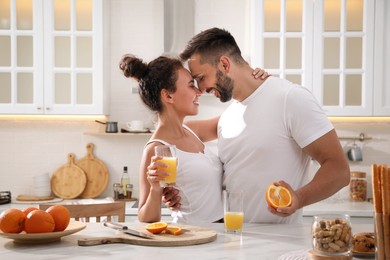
[168, 154]
[233, 203]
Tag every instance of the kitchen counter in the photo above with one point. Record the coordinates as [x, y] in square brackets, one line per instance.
[258, 241]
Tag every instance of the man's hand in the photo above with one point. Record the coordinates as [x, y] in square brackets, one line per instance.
[170, 198]
[286, 211]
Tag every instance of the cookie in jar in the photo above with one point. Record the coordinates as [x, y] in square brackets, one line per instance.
[358, 187]
[332, 234]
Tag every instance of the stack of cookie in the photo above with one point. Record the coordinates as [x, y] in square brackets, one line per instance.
[381, 192]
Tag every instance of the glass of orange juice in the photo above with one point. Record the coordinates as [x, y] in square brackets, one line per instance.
[233, 203]
[168, 154]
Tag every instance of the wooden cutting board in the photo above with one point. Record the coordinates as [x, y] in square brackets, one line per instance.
[193, 236]
[96, 173]
[33, 198]
[69, 181]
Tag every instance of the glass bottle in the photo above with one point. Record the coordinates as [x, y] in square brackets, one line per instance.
[125, 180]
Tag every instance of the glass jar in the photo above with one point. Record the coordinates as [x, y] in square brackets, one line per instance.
[118, 191]
[129, 191]
[358, 186]
[332, 234]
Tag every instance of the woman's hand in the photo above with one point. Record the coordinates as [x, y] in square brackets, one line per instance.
[259, 73]
[171, 198]
[154, 173]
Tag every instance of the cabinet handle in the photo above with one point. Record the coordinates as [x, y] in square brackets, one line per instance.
[39, 108]
[47, 108]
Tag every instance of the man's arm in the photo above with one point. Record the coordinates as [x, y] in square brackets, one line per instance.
[332, 175]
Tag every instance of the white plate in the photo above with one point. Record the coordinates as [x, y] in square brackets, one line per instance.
[138, 131]
[39, 238]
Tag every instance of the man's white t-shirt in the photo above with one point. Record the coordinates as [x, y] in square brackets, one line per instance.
[260, 141]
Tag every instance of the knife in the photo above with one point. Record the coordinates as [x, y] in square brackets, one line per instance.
[127, 230]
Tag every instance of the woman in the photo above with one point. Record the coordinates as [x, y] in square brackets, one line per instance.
[167, 88]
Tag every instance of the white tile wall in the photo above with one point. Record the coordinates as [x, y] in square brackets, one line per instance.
[30, 147]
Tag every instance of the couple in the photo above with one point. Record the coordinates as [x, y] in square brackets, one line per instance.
[266, 135]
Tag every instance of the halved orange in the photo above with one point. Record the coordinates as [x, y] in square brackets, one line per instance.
[278, 196]
[156, 227]
[173, 230]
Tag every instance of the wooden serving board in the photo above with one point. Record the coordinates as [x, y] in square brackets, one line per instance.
[313, 255]
[192, 236]
[96, 173]
[69, 181]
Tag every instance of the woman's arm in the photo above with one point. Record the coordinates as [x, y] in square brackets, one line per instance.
[150, 192]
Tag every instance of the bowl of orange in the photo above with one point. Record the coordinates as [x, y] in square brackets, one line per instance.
[35, 226]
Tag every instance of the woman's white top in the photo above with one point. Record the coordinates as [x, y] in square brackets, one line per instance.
[199, 180]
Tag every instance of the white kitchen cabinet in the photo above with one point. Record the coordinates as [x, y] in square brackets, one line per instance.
[52, 57]
[382, 59]
[326, 46]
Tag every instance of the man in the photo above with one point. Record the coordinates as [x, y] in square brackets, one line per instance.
[268, 133]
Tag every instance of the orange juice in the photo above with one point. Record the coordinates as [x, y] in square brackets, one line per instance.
[233, 221]
[171, 169]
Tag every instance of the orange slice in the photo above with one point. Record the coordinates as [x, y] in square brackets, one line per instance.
[174, 230]
[278, 196]
[156, 227]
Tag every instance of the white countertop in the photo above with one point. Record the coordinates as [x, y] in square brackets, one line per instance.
[258, 241]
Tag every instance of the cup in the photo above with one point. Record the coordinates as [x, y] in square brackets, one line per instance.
[168, 153]
[135, 125]
[233, 203]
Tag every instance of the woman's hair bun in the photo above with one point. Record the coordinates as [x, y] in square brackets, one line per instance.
[133, 67]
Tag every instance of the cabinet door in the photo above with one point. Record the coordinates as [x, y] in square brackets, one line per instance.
[382, 59]
[282, 39]
[73, 51]
[343, 56]
[21, 66]
[51, 56]
[324, 45]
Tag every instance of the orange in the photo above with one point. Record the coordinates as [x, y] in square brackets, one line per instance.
[278, 196]
[28, 210]
[156, 227]
[173, 230]
[39, 221]
[12, 221]
[60, 215]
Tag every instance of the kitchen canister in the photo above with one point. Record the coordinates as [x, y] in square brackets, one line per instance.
[358, 187]
[332, 235]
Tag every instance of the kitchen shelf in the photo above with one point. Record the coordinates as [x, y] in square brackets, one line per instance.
[116, 134]
[361, 137]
